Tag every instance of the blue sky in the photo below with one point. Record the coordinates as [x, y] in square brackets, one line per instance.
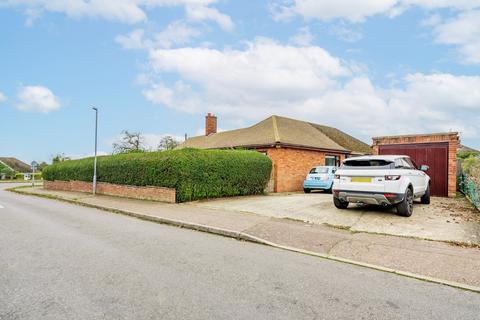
[158, 66]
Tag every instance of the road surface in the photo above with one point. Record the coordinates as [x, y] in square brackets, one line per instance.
[61, 261]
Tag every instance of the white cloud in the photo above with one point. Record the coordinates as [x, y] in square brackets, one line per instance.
[358, 10]
[201, 12]
[464, 32]
[3, 97]
[127, 11]
[303, 38]
[37, 98]
[176, 33]
[268, 78]
[345, 33]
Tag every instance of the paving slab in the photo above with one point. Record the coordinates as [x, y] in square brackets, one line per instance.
[445, 219]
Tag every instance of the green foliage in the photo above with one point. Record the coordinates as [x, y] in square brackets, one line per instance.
[195, 174]
[467, 154]
[471, 165]
[60, 157]
[20, 176]
[6, 171]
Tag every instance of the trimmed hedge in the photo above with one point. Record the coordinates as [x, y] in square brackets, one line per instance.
[20, 176]
[193, 173]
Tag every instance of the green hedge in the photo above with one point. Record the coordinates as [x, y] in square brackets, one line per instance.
[195, 174]
[20, 176]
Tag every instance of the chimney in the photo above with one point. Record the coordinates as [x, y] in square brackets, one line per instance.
[210, 124]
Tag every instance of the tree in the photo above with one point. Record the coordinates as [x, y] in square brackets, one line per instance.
[129, 142]
[6, 172]
[467, 154]
[42, 165]
[60, 157]
[168, 143]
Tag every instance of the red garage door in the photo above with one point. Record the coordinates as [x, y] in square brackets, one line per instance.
[434, 155]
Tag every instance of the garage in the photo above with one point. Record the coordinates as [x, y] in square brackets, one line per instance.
[438, 151]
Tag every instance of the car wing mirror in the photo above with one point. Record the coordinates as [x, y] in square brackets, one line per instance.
[424, 167]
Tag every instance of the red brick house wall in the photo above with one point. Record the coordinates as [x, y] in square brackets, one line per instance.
[452, 139]
[291, 165]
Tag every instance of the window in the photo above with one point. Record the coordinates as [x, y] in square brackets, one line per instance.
[402, 164]
[411, 163]
[367, 164]
[319, 170]
[332, 161]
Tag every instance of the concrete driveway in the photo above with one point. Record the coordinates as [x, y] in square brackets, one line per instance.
[444, 219]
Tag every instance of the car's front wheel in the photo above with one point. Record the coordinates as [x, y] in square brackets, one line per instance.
[306, 190]
[339, 203]
[405, 208]
[425, 199]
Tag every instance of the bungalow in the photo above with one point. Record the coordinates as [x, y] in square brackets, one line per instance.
[14, 165]
[294, 146]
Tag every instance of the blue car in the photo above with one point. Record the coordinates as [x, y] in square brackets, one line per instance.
[319, 178]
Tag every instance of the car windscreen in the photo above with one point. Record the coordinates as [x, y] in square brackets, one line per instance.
[319, 170]
[368, 164]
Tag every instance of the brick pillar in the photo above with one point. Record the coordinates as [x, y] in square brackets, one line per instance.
[210, 124]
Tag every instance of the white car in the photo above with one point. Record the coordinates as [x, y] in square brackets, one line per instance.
[381, 180]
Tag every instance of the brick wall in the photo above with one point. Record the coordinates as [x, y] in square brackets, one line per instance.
[144, 193]
[290, 166]
[210, 124]
[451, 138]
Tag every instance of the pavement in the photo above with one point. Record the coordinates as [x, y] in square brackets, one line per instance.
[445, 219]
[64, 261]
[441, 262]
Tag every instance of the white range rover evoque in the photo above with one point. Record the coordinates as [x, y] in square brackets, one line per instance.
[381, 180]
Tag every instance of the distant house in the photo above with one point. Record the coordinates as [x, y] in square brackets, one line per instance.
[15, 165]
[464, 148]
[294, 146]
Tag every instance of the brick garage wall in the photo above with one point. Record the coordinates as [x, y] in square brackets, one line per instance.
[290, 166]
[144, 193]
[451, 138]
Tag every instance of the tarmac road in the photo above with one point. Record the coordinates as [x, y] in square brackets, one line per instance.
[61, 261]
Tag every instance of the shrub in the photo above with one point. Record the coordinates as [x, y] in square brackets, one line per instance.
[20, 176]
[470, 165]
[193, 173]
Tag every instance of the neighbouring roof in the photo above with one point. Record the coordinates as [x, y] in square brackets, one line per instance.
[277, 130]
[464, 148]
[16, 164]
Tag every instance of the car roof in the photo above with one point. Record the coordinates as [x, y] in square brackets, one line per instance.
[378, 157]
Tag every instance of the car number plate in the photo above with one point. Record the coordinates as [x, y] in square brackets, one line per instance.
[361, 179]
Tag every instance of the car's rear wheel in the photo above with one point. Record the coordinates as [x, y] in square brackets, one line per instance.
[306, 190]
[405, 208]
[425, 199]
[340, 204]
[329, 190]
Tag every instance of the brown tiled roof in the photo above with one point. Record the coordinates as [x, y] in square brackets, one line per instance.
[16, 164]
[277, 130]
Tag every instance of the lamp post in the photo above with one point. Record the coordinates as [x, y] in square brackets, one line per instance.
[95, 158]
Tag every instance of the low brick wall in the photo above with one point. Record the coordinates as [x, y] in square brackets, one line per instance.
[144, 193]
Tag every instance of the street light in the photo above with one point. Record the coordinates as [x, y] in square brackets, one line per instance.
[95, 161]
